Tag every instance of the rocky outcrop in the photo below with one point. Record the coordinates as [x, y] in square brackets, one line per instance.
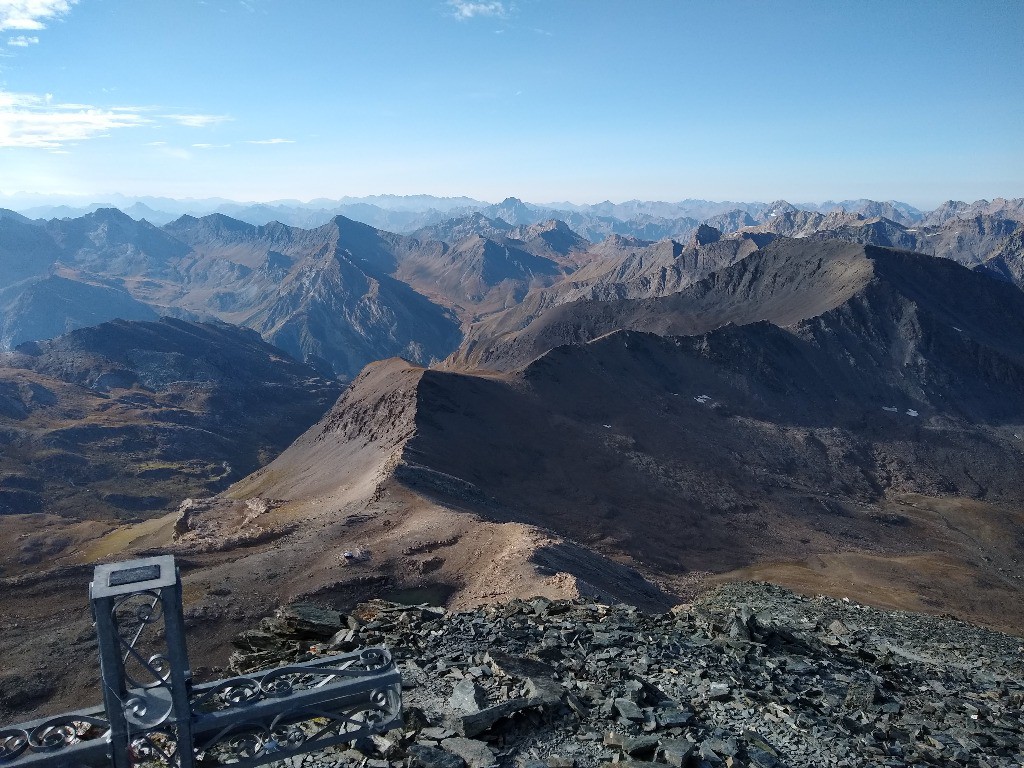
[751, 675]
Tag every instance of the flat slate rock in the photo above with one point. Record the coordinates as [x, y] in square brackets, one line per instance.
[751, 676]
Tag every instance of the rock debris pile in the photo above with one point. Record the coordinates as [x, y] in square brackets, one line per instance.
[752, 675]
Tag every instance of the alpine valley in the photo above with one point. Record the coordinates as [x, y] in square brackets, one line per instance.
[441, 400]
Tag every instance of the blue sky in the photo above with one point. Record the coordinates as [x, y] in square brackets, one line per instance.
[547, 100]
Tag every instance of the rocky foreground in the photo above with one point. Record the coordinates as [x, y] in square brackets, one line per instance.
[752, 675]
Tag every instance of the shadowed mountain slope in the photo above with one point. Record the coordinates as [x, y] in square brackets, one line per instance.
[126, 418]
[110, 242]
[785, 282]
[46, 307]
[324, 295]
[621, 268]
[968, 239]
[26, 250]
[870, 402]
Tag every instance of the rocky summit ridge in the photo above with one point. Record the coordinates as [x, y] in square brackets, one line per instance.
[750, 675]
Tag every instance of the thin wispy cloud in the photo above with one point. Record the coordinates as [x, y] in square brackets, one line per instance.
[271, 141]
[33, 121]
[178, 153]
[197, 121]
[31, 14]
[211, 146]
[464, 9]
[22, 41]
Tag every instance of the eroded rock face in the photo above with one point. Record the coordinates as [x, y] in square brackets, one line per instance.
[752, 675]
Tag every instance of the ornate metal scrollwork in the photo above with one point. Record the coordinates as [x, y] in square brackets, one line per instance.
[132, 615]
[298, 708]
[13, 742]
[50, 735]
[155, 715]
[157, 746]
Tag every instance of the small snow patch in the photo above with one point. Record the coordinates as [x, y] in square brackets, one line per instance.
[958, 329]
[890, 408]
[607, 426]
[911, 412]
[702, 398]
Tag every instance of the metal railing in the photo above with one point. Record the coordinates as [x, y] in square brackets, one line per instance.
[152, 712]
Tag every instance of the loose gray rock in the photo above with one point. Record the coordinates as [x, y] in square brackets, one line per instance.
[476, 753]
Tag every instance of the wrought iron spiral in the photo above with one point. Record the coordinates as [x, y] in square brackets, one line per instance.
[13, 741]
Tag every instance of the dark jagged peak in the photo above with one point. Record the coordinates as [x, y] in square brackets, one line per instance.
[219, 228]
[616, 240]
[798, 223]
[951, 209]
[970, 240]
[1007, 208]
[109, 214]
[367, 246]
[540, 228]
[479, 275]
[704, 235]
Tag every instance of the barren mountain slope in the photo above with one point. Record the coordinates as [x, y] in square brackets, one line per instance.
[45, 307]
[879, 432]
[1001, 207]
[123, 419]
[478, 275]
[786, 281]
[624, 268]
[112, 243]
[1007, 262]
[359, 455]
[26, 249]
[886, 414]
[970, 240]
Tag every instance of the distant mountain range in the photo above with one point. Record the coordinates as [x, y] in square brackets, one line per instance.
[649, 219]
[344, 293]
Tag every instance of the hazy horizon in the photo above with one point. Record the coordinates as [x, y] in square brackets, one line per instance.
[26, 200]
